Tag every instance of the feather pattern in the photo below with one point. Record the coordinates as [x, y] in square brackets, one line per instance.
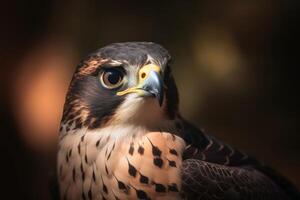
[131, 147]
[101, 165]
[214, 170]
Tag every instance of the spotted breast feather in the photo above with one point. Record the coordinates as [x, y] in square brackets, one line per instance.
[95, 166]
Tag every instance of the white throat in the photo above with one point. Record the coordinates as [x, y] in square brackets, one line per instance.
[140, 112]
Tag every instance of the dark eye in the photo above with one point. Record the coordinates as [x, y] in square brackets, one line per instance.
[111, 78]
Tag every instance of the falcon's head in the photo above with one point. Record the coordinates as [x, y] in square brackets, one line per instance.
[122, 83]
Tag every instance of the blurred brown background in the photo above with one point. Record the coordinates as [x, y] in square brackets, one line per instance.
[235, 64]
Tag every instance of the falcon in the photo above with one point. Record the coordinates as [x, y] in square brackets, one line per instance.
[122, 137]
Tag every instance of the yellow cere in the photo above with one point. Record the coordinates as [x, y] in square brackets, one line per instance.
[144, 71]
[143, 74]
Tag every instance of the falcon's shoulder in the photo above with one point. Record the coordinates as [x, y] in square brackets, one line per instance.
[205, 147]
[213, 169]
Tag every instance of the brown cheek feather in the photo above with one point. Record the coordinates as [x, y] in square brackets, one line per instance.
[89, 104]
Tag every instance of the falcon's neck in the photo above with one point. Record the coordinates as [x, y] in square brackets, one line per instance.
[122, 132]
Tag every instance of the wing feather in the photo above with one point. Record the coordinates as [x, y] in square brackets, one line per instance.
[204, 180]
[215, 170]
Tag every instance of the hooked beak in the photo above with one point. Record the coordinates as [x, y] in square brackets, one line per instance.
[154, 86]
[150, 83]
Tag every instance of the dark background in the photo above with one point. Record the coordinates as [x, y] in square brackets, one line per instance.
[235, 62]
